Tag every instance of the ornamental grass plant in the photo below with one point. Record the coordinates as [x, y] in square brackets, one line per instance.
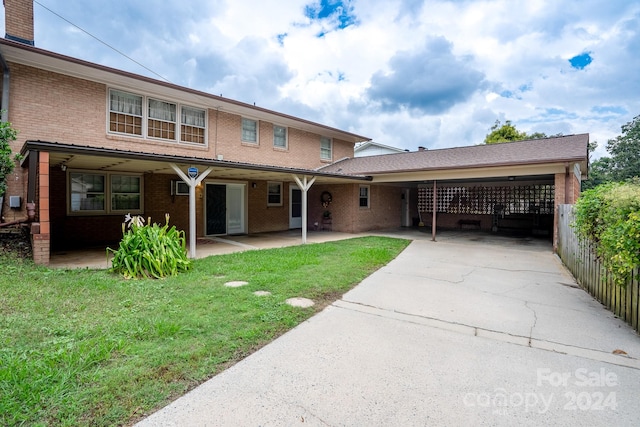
[150, 251]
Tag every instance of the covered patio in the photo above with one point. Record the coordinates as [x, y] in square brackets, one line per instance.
[62, 225]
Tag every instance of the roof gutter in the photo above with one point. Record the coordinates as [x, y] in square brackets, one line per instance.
[4, 105]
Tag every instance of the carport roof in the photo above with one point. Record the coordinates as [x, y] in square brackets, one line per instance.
[570, 148]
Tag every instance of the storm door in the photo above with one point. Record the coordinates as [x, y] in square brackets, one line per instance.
[295, 207]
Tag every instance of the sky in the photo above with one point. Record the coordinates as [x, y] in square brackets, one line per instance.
[406, 73]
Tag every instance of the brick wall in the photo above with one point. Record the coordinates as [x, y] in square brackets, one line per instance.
[52, 107]
[347, 215]
[303, 148]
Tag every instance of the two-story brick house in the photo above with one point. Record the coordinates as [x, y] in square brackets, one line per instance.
[99, 143]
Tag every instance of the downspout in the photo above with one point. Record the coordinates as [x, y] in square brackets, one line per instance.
[5, 89]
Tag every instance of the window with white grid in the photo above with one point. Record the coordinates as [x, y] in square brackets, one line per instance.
[162, 120]
[193, 125]
[125, 113]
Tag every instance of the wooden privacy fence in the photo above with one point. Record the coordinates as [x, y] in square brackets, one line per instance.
[581, 260]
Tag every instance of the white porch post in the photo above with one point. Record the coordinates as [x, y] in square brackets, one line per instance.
[304, 186]
[192, 183]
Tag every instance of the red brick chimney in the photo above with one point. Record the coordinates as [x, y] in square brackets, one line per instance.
[18, 20]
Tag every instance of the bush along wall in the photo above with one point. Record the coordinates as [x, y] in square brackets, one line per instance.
[609, 216]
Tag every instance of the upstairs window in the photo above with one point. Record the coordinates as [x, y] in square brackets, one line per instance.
[325, 148]
[125, 113]
[279, 136]
[136, 115]
[193, 125]
[162, 120]
[249, 131]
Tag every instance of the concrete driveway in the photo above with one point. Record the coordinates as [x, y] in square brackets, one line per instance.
[470, 330]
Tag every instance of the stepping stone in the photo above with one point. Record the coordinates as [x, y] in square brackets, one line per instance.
[262, 293]
[236, 284]
[300, 302]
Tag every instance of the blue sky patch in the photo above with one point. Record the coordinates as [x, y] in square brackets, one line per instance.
[609, 109]
[339, 11]
[579, 62]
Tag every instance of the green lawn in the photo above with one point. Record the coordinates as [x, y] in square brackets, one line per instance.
[86, 347]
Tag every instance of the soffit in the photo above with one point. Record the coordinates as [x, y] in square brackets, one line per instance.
[471, 173]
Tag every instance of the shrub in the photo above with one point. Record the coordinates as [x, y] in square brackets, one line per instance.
[150, 250]
[7, 134]
[609, 216]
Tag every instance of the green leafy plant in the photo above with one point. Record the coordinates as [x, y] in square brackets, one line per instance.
[150, 250]
[7, 162]
[609, 216]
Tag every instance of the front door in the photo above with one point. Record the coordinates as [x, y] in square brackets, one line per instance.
[216, 204]
[224, 209]
[295, 207]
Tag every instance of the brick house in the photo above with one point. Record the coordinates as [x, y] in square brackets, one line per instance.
[99, 143]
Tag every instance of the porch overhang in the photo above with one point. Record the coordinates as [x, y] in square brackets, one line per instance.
[113, 160]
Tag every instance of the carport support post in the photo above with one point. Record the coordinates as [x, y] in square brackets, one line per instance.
[433, 219]
[304, 186]
[192, 183]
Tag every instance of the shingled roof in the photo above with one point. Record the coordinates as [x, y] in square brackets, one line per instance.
[570, 148]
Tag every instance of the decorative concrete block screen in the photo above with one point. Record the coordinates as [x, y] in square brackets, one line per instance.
[519, 199]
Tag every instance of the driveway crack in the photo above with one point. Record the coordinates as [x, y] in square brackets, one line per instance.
[535, 321]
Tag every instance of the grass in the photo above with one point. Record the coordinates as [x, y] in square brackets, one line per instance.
[86, 347]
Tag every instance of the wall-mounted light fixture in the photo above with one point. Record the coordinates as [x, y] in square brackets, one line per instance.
[63, 167]
[254, 185]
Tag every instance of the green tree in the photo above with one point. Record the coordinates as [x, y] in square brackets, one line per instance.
[7, 162]
[624, 162]
[625, 152]
[507, 132]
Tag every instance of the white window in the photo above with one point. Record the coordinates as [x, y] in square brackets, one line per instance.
[249, 130]
[279, 136]
[125, 113]
[364, 196]
[325, 148]
[274, 194]
[125, 193]
[162, 120]
[193, 128]
[89, 193]
[132, 114]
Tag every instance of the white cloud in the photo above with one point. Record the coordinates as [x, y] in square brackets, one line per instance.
[496, 59]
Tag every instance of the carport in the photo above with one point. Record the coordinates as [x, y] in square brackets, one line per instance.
[509, 186]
